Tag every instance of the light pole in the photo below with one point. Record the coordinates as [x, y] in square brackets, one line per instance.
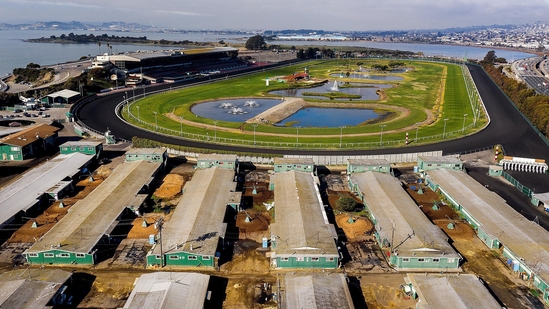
[181, 126]
[463, 127]
[215, 131]
[133, 89]
[444, 131]
[155, 120]
[341, 134]
[297, 136]
[417, 129]
[138, 119]
[255, 126]
[381, 135]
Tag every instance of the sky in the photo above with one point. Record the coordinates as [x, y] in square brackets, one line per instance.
[333, 15]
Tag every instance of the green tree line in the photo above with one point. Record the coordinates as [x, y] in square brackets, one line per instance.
[535, 106]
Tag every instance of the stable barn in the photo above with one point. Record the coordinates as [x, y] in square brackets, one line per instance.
[409, 240]
[196, 229]
[89, 223]
[28, 143]
[524, 244]
[301, 236]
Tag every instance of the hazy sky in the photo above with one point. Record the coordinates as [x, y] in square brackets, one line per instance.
[282, 14]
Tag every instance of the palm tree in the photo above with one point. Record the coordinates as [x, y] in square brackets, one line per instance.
[108, 45]
[99, 44]
[111, 49]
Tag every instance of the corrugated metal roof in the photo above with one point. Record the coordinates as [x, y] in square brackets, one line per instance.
[169, 290]
[524, 238]
[18, 291]
[462, 292]
[322, 290]
[398, 217]
[441, 159]
[65, 93]
[23, 193]
[197, 221]
[90, 218]
[301, 225]
[29, 135]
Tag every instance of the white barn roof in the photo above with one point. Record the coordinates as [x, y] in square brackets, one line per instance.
[24, 192]
[169, 290]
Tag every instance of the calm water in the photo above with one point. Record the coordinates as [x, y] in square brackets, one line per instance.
[366, 93]
[15, 53]
[235, 110]
[328, 117]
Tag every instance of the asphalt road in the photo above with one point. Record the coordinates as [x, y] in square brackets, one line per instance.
[507, 127]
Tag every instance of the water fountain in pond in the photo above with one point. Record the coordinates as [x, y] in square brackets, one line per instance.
[237, 110]
[335, 87]
[251, 103]
[226, 105]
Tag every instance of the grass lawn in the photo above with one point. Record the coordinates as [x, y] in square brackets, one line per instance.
[429, 93]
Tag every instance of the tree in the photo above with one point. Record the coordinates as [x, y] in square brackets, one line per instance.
[490, 57]
[256, 42]
[346, 203]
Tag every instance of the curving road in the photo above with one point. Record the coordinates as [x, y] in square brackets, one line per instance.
[507, 127]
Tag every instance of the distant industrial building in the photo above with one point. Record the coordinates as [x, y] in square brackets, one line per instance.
[171, 65]
[196, 230]
[316, 290]
[409, 240]
[166, 290]
[465, 291]
[53, 177]
[301, 236]
[522, 243]
[28, 143]
[73, 240]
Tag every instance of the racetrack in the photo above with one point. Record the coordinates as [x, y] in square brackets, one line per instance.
[507, 127]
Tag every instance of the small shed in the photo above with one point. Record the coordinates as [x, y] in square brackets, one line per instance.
[147, 154]
[222, 160]
[294, 164]
[64, 96]
[495, 170]
[92, 148]
[368, 165]
[426, 163]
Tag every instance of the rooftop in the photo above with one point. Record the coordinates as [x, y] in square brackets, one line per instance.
[217, 157]
[166, 290]
[29, 135]
[81, 143]
[197, 222]
[278, 160]
[301, 225]
[89, 219]
[465, 291]
[399, 219]
[368, 162]
[23, 193]
[138, 56]
[524, 238]
[65, 93]
[17, 290]
[321, 290]
[441, 159]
